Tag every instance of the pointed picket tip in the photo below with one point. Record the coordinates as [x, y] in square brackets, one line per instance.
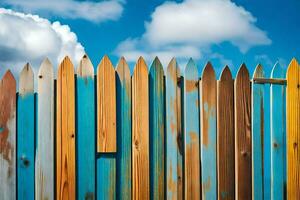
[140, 65]
[226, 74]
[85, 68]
[156, 65]
[123, 70]
[105, 63]
[208, 71]
[46, 68]
[258, 72]
[8, 76]
[66, 63]
[293, 66]
[243, 71]
[26, 80]
[191, 71]
[278, 71]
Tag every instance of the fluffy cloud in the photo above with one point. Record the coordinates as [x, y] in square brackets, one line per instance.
[29, 38]
[191, 27]
[72, 9]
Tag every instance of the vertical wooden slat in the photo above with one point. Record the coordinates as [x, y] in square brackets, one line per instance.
[8, 137]
[278, 135]
[157, 129]
[172, 129]
[123, 131]
[140, 131]
[293, 130]
[44, 164]
[209, 133]
[65, 133]
[106, 104]
[225, 136]
[25, 124]
[242, 105]
[85, 125]
[257, 135]
[180, 145]
[191, 132]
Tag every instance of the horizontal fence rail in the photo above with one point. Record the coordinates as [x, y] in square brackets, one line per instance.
[156, 134]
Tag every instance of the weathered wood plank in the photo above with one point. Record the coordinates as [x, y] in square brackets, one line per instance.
[123, 131]
[258, 136]
[225, 136]
[278, 136]
[209, 133]
[65, 133]
[8, 137]
[106, 104]
[86, 144]
[106, 176]
[293, 130]
[172, 130]
[191, 132]
[26, 135]
[242, 105]
[157, 129]
[140, 131]
[44, 164]
[180, 145]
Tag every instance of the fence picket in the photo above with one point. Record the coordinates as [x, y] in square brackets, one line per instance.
[258, 135]
[44, 164]
[123, 84]
[8, 137]
[209, 133]
[26, 133]
[140, 131]
[225, 136]
[106, 104]
[191, 132]
[293, 130]
[85, 115]
[172, 125]
[157, 129]
[65, 133]
[278, 135]
[242, 92]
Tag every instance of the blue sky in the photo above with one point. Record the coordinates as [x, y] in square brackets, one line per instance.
[270, 31]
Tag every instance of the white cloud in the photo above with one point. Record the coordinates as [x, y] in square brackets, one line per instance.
[190, 28]
[29, 38]
[72, 9]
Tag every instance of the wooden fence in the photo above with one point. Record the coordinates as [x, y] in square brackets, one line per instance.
[162, 134]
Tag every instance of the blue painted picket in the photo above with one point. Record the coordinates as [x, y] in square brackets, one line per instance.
[192, 133]
[123, 84]
[157, 130]
[278, 135]
[257, 135]
[209, 133]
[85, 126]
[26, 135]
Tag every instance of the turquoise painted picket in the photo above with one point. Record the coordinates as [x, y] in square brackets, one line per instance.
[278, 135]
[258, 135]
[85, 125]
[26, 134]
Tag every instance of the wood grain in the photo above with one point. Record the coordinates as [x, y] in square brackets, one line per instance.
[124, 178]
[44, 164]
[293, 130]
[157, 129]
[65, 132]
[106, 104]
[242, 106]
[191, 132]
[85, 119]
[140, 131]
[258, 135]
[8, 137]
[26, 135]
[225, 136]
[208, 133]
[278, 136]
